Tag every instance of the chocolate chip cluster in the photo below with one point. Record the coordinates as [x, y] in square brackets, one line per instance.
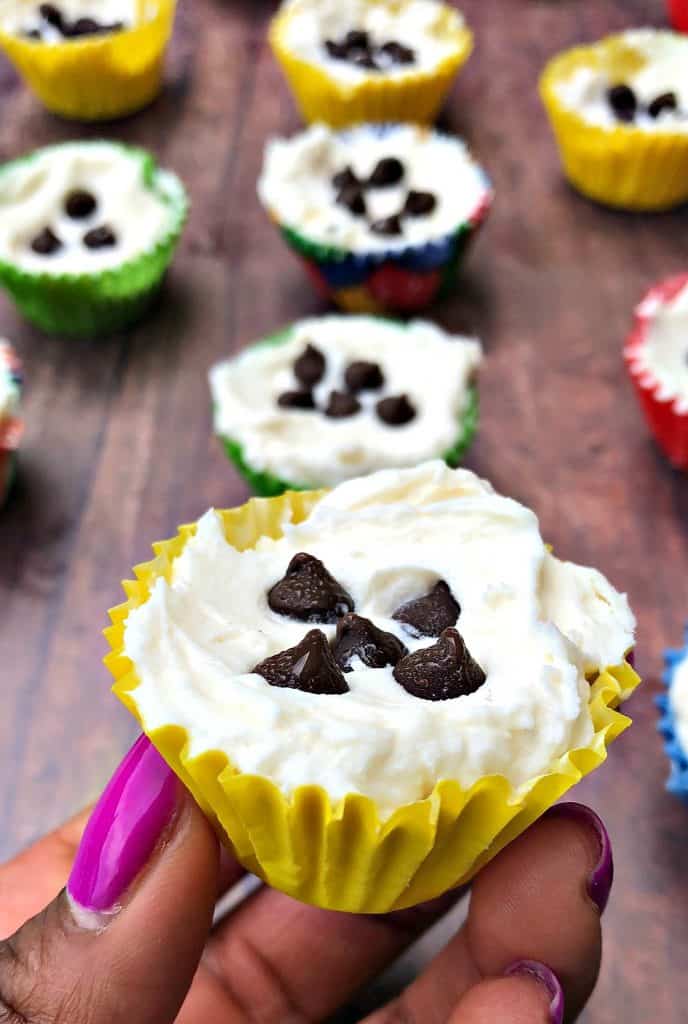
[357, 48]
[309, 369]
[625, 105]
[350, 191]
[51, 15]
[78, 205]
[309, 593]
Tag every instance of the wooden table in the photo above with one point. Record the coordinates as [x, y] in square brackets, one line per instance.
[118, 448]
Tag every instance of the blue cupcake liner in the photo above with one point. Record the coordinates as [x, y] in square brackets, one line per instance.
[677, 782]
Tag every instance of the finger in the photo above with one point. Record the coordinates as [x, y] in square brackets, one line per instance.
[530, 994]
[295, 961]
[32, 879]
[122, 943]
[539, 900]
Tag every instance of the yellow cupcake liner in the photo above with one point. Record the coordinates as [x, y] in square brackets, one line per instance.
[342, 856]
[96, 78]
[413, 96]
[621, 166]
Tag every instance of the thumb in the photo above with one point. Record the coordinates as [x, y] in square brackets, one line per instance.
[123, 941]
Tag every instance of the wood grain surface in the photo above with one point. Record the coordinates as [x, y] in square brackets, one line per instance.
[118, 448]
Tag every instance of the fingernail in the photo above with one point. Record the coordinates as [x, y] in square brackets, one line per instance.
[548, 979]
[123, 829]
[601, 878]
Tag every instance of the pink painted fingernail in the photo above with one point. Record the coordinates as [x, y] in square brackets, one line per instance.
[548, 979]
[124, 828]
[601, 878]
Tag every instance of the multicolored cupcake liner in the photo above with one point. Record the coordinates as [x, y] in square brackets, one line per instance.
[268, 485]
[92, 305]
[678, 12]
[621, 166]
[345, 855]
[678, 776]
[414, 96]
[667, 421]
[95, 78]
[11, 427]
[401, 280]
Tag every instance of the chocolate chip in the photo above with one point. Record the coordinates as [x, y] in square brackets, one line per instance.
[432, 614]
[336, 50]
[80, 204]
[395, 411]
[419, 204]
[309, 593]
[100, 238]
[360, 638]
[440, 672]
[622, 101]
[388, 171]
[357, 40]
[309, 368]
[32, 33]
[398, 53]
[46, 243]
[309, 666]
[363, 376]
[341, 404]
[352, 197]
[666, 101]
[364, 59]
[53, 15]
[387, 226]
[296, 400]
[83, 27]
[344, 179]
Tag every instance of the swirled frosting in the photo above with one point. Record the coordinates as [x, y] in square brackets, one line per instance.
[536, 625]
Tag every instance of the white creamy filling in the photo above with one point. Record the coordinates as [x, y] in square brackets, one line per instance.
[664, 354]
[19, 16]
[305, 447]
[32, 197]
[536, 626]
[665, 69]
[296, 184]
[678, 696]
[422, 25]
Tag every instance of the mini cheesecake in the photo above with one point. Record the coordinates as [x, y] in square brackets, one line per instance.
[73, 216]
[647, 87]
[352, 40]
[336, 397]
[67, 19]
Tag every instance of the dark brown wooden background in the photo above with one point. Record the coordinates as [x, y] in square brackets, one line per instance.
[118, 448]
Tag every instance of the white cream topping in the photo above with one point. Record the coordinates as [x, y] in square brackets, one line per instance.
[9, 389]
[665, 69]
[32, 197]
[296, 184]
[432, 368]
[536, 626]
[426, 26]
[19, 16]
[678, 695]
[664, 353]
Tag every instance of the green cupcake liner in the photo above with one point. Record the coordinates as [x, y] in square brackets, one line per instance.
[89, 305]
[268, 485]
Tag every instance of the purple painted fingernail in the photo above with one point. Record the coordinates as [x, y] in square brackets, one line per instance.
[125, 826]
[602, 876]
[546, 977]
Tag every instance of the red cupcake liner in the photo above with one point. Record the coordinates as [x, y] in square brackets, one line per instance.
[667, 422]
[678, 12]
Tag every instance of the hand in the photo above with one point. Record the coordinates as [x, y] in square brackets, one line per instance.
[130, 940]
